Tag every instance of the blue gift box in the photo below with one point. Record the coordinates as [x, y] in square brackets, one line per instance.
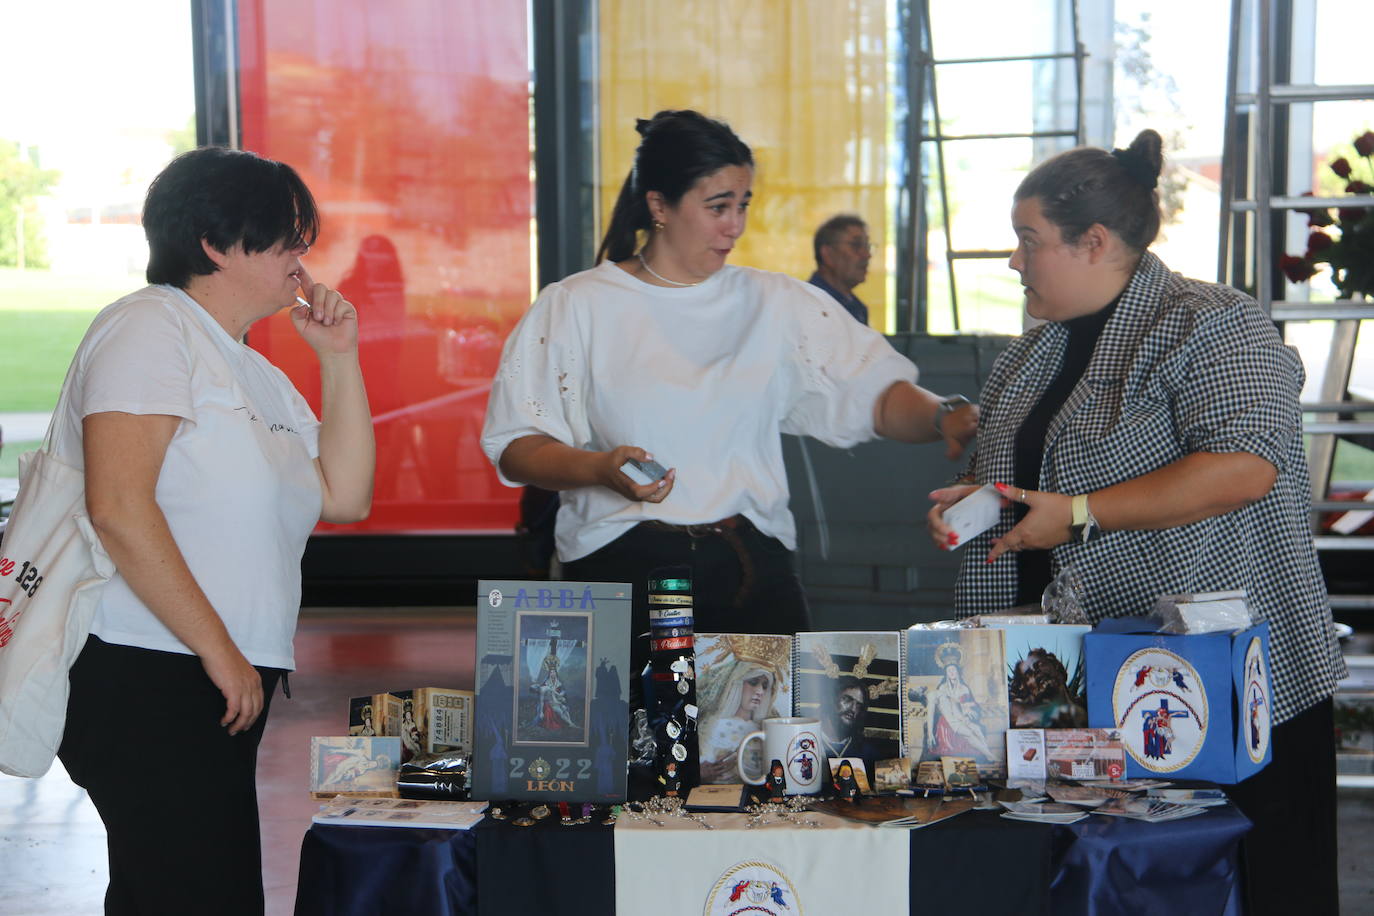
[1194, 706]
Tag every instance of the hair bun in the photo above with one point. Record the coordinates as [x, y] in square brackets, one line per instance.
[1138, 167]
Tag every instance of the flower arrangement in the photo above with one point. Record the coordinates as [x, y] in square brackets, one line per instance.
[1350, 250]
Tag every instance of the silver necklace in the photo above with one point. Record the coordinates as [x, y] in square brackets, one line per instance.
[658, 276]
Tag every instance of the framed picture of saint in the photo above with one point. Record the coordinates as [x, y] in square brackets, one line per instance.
[553, 692]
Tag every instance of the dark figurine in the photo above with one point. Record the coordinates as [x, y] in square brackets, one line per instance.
[776, 782]
[846, 786]
[671, 781]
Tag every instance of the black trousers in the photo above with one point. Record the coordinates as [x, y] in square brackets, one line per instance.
[177, 793]
[771, 601]
[1289, 857]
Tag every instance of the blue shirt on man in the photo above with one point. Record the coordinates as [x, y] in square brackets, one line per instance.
[851, 302]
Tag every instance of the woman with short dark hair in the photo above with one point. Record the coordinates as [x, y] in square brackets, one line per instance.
[1148, 435]
[662, 348]
[205, 472]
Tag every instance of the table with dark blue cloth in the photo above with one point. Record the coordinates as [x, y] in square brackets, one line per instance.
[974, 863]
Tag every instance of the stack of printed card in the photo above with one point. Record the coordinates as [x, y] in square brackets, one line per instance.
[1085, 796]
[1042, 813]
[1202, 798]
[1153, 810]
[400, 812]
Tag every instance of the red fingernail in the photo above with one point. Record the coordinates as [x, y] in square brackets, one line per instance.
[953, 538]
[1001, 487]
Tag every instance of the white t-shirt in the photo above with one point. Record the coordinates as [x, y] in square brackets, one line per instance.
[238, 484]
[703, 377]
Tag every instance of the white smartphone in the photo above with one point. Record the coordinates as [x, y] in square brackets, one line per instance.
[643, 472]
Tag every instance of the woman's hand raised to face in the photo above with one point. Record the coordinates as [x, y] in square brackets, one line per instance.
[330, 324]
[614, 478]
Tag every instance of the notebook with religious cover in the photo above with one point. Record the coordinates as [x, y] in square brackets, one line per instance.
[852, 682]
[354, 765]
[956, 696]
[553, 670]
[742, 679]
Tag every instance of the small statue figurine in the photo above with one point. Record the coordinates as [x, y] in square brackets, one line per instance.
[776, 782]
[846, 786]
[671, 781]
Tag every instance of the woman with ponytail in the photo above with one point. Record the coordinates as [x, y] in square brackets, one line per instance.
[664, 350]
[1148, 435]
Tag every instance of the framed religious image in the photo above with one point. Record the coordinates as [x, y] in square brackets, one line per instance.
[553, 691]
[552, 704]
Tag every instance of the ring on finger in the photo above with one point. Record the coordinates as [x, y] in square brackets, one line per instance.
[1023, 494]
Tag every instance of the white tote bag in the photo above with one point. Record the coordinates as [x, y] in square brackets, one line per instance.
[52, 569]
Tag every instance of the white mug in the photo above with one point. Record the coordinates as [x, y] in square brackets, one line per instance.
[794, 742]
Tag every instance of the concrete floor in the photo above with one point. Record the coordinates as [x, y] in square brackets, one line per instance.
[52, 845]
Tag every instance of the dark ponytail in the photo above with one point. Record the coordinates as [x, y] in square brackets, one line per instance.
[1116, 189]
[676, 150]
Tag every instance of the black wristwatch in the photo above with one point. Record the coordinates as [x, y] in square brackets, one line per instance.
[947, 406]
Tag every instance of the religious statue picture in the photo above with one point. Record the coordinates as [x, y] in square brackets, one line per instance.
[852, 683]
[553, 680]
[1047, 683]
[353, 766]
[956, 696]
[551, 719]
[742, 679]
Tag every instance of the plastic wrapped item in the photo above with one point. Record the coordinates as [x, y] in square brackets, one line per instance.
[643, 748]
[1062, 600]
[435, 776]
[1204, 612]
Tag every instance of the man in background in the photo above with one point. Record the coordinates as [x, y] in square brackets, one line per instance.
[842, 251]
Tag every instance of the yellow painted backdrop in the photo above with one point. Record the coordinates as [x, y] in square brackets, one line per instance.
[803, 82]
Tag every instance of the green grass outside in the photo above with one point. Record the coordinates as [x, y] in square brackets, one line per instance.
[38, 346]
[9, 456]
[43, 316]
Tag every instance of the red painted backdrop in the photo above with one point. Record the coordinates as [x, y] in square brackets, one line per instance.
[409, 120]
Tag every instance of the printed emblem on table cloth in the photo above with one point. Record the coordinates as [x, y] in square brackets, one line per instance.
[801, 759]
[1161, 708]
[1256, 709]
[753, 887]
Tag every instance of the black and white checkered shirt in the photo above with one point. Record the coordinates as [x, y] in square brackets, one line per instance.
[1181, 367]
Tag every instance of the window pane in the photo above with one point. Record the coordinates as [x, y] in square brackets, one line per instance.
[805, 84]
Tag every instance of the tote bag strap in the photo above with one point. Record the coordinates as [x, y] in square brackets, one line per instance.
[52, 437]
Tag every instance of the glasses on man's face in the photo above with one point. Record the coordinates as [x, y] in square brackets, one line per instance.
[859, 245]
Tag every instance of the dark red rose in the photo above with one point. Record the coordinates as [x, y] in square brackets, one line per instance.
[1364, 143]
[1318, 241]
[1296, 269]
[1316, 216]
[1341, 167]
[1349, 216]
[1358, 187]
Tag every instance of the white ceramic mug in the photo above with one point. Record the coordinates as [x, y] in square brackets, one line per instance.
[793, 741]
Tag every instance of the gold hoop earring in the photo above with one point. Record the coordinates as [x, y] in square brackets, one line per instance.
[658, 226]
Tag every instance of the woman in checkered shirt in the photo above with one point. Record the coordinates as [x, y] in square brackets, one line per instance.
[1148, 435]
